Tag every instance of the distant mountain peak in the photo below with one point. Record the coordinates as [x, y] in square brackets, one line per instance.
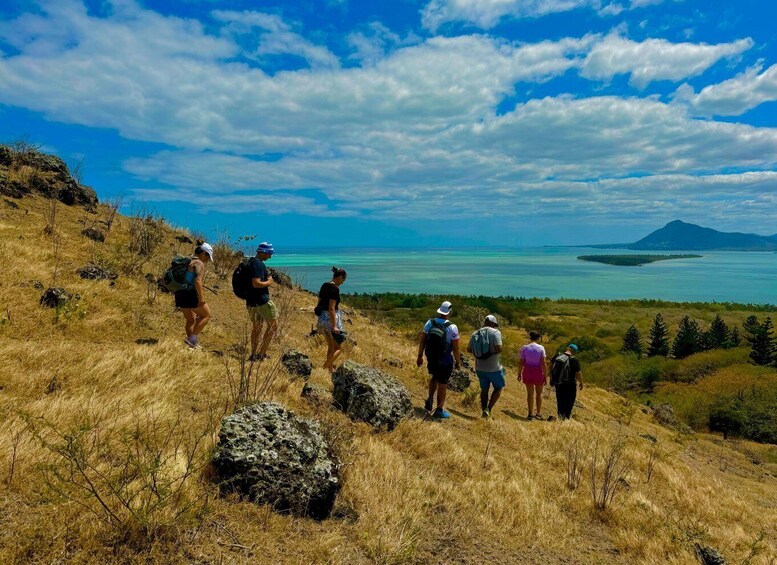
[683, 236]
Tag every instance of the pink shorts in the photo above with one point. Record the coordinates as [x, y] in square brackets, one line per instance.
[532, 375]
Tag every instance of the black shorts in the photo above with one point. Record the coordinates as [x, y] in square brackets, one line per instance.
[441, 373]
[187, 298]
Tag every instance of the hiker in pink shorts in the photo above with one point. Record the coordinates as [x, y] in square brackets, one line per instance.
[532, 371]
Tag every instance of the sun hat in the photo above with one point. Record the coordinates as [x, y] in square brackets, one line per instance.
[265, 247]
[445, 308]
[492, 319]
[573, 347]
[206, 247]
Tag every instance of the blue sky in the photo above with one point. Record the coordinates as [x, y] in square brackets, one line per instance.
[407, 122]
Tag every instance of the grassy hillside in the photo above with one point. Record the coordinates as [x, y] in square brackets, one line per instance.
[105, 442]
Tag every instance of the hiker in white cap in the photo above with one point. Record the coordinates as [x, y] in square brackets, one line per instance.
[191, 301]
[486, 345]
[439, 340]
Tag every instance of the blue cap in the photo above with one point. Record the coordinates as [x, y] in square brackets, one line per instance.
[265, 247]
[573, 347]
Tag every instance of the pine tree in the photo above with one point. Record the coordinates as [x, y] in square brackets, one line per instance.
[762, 343]
[718, 336]
[735, 340]
[659, 338]
[688, 339]
[632, 342]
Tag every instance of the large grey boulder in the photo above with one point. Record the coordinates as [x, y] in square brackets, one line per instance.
[369, 395]
[272, 456]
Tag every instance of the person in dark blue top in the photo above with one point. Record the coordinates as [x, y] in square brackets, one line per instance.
[260, 308]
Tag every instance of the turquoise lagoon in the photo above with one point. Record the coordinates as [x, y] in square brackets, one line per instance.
[553, 272]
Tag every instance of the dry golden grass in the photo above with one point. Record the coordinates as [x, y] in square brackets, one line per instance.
[465, 490]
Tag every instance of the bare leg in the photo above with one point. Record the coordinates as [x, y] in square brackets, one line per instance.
[203, 317]
[484, 398]
[432, 388]
[330, 347]
[272, 327]
[442, 392]
[530, 398]
[256, 331]
[494, 397]
[190, 319]
[538, 394]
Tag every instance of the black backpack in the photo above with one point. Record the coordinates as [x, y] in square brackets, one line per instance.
[436, 342]
[560, 371]
[242, 280]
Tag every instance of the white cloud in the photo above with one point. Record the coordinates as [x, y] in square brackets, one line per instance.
[414, 128]
[734, 96]
[487, 13]
[277, 38]
[655, 59]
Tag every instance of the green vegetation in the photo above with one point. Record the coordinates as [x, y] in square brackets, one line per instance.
[632, 260]
[702, 365]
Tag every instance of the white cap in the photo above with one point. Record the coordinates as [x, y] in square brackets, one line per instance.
[206, 247]
[492, 319]
[445, 308]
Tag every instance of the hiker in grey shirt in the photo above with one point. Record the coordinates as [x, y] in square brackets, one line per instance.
[486, 345]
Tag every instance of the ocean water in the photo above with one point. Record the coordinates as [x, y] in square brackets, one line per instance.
[553, 272]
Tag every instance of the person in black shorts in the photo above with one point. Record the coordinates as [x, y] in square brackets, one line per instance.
[567, 378]
[191, 301]
[439, 341]
[330, 322]
[260, 308]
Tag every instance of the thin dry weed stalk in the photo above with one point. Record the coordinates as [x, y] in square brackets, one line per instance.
[146, 232]
[16, 438]
[575, 460]
[51, 215]
[134, 479]
[608, 472]
[56, 252]
[225, 256]
[111, 209]
[651, 463]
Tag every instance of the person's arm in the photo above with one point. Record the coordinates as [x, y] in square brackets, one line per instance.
[259, 283]
[333, 316]
[421, 347]
[579, 379]
[456, 352]
[197, 267]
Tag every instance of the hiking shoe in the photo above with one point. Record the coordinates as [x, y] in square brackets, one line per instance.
[551, 418]
[538, 417]
[530, 417]
[485, 414]
[428, 405]
[441, 413]
[192, 341]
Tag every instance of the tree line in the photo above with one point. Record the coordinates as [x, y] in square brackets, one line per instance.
[691, 338]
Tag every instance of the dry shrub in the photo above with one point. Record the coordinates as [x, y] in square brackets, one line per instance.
[51, 215]
[225, 257]
[576, 454]
[111, 209]
[134, 479]
[146, 232]
[608, 472]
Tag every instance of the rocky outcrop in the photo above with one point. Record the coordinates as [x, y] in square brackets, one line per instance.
[369, 395]
[297, 363]
[316, 394]
[280, 277]
[96, 272]
[55, 297]
[664, 415]
[44, 174]
[272, 456]
[460, 380]
[94, 234]
[709, 555]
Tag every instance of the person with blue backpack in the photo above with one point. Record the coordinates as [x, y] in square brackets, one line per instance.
[439, 341]
[187, 274]
[486, 346]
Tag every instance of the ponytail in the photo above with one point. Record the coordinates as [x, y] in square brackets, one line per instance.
[338, 272]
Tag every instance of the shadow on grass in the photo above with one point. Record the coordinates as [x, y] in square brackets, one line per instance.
[514, 416]
[461, 414]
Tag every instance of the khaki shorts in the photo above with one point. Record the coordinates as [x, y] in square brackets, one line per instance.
[264, 313]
